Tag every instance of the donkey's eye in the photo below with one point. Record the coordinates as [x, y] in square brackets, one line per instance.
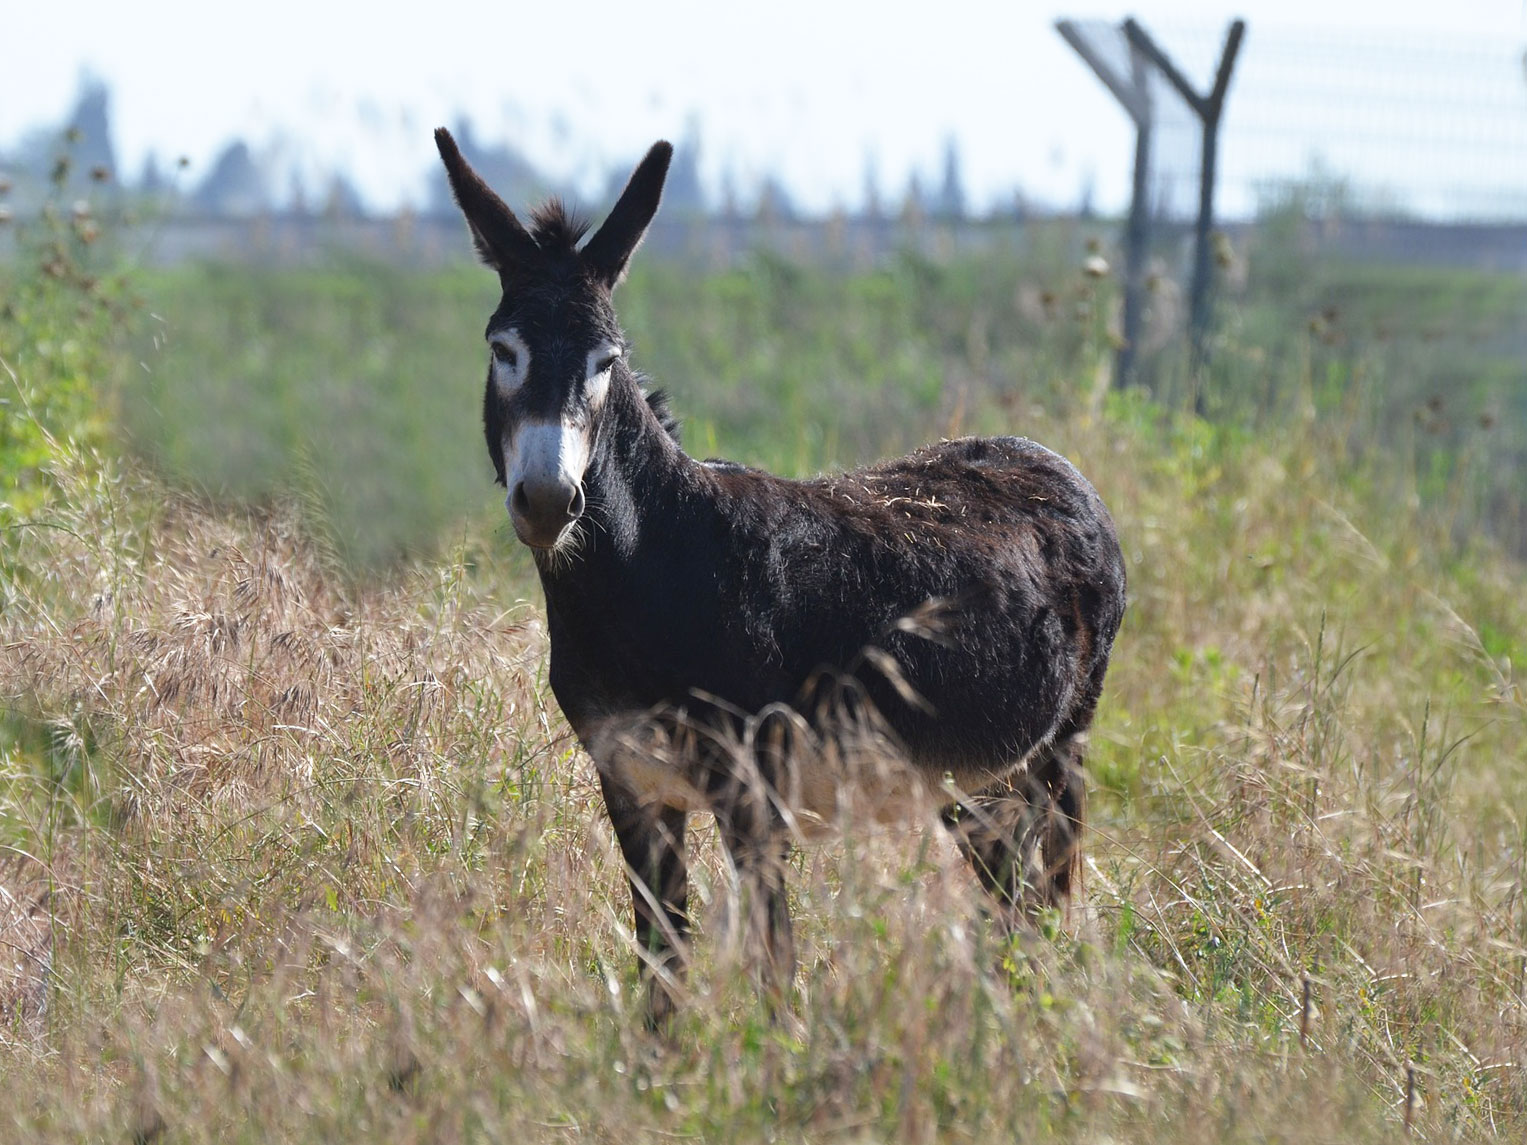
[505, 354]
[605, 360]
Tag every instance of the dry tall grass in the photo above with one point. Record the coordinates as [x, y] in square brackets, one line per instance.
[323, 863]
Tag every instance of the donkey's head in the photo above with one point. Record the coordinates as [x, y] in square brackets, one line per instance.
[554, 342]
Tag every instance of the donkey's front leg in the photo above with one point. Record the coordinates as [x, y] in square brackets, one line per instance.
[759, 846]
[652, 842]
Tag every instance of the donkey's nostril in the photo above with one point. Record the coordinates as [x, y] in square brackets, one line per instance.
[575, 506]
[518, 501]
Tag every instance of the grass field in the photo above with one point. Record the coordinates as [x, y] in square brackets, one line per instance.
[310, 855]
[355, 388]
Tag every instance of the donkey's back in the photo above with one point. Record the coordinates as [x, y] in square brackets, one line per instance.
[987, 569]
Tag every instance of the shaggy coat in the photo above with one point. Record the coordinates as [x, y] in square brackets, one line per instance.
[715, 628]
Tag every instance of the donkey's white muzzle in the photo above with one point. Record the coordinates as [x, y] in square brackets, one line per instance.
[546, 481]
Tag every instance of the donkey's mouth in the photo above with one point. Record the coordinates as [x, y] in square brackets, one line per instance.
[542, 539]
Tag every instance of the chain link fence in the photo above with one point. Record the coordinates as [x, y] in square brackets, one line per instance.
[1371, 125]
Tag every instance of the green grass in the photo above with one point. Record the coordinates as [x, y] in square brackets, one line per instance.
[353, 388]
[319, 859]
[356, 388]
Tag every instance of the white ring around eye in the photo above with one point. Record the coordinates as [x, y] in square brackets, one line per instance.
[508, 375]
[601, 361]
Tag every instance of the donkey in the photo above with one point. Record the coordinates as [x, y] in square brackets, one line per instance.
[715, 628]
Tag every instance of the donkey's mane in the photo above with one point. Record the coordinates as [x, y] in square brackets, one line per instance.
[557, 229]
[657, 401]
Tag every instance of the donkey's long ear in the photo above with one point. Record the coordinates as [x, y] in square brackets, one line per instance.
[500, 239]
[613, 244]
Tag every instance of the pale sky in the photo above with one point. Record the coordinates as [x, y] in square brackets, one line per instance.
[807, 89]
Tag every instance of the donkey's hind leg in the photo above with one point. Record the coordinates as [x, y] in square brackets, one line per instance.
[1023, 834]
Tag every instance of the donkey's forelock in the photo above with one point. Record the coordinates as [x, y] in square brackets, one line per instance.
[557, 230]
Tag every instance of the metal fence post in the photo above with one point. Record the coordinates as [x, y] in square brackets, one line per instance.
[1133, 94]
[1208, 108]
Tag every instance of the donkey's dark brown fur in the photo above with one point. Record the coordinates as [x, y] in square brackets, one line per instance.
[957, 606]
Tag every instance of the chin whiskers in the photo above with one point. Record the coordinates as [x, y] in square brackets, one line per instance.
[576, 540]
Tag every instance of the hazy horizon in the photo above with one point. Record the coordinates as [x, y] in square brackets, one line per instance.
[821, 98]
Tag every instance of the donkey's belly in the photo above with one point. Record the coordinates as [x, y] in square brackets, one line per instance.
[656, 782]
[815, 793]
[897, 794]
